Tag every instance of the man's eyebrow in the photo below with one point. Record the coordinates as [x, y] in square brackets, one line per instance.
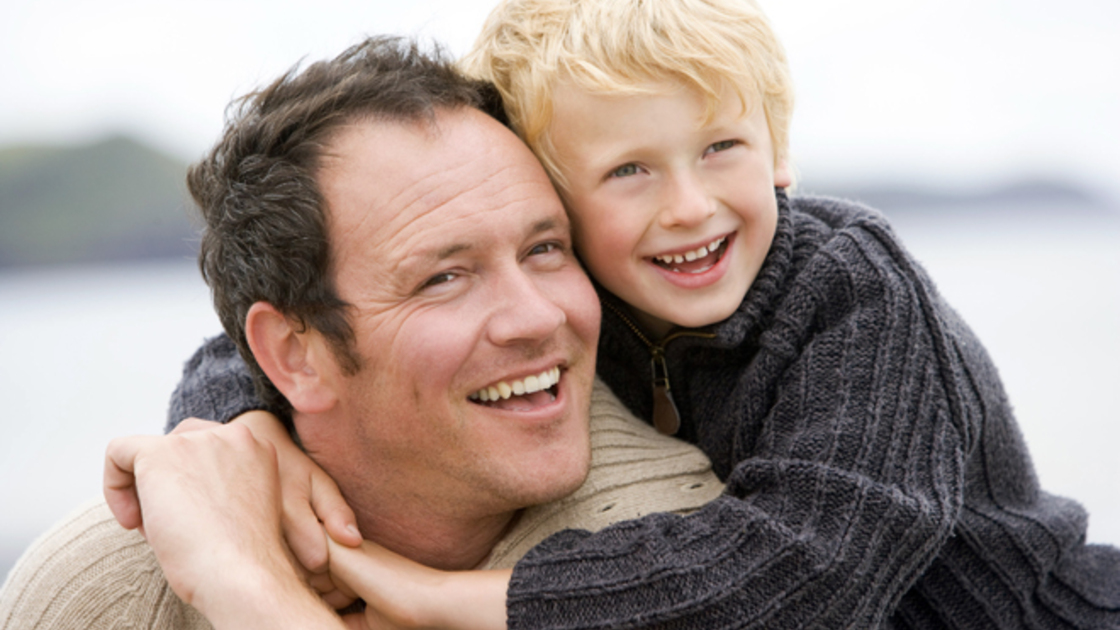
[451, 250]
[544, 225]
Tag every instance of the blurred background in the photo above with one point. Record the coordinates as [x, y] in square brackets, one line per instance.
[987, 130]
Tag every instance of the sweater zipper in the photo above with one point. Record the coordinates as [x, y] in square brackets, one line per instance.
[666, 416]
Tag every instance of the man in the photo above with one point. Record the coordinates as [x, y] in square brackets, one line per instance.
[381, 251]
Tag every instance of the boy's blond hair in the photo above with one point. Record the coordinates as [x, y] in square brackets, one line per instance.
[528, 47]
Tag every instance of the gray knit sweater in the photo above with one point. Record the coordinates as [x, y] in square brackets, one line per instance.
[875, 473]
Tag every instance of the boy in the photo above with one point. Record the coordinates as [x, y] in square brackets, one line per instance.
[875, 475]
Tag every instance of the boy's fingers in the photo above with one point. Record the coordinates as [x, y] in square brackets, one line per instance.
[304, 534]
[334, 511]
[120, 481]
[337, 551]
[337, 600]
[355, 621]
[321, 583]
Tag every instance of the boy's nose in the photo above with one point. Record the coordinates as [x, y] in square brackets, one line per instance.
[686, 203]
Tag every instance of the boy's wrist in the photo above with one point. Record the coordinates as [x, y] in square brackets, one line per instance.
[472, 600]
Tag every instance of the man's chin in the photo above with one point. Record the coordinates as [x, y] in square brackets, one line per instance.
[557, 481]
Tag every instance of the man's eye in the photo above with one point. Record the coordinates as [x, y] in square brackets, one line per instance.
[722, 145]
[626, 170]
[438, 279]
[544, 248]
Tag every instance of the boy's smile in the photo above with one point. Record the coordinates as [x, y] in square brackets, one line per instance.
[673, 211]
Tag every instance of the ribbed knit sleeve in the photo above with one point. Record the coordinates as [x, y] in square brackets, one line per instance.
[216, 385]
[832, 405]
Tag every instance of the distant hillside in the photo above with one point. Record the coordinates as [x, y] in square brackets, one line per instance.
[1022, 198]
[108, 201]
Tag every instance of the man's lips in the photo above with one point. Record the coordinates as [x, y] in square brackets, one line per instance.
[528, 392]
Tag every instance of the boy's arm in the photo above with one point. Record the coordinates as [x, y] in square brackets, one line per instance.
[216, 385]
[846, 479]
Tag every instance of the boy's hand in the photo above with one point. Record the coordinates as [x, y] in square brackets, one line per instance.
[309, 496]
[400, 593]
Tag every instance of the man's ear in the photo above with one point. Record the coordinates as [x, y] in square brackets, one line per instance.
[297, 362]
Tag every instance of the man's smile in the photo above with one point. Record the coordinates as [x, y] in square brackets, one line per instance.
[532, 391]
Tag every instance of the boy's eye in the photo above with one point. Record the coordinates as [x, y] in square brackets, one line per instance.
[722, 145]
[626, 170]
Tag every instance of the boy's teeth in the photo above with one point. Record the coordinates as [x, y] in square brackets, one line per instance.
[527, 385]
[690, 256]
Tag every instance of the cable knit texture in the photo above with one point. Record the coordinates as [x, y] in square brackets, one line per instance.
[875, 473]
[876, 476]
[216, 385]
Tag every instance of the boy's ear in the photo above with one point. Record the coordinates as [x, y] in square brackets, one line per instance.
[783, 177]
[292, 359]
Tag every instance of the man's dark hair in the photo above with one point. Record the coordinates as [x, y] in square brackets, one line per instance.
[265, 234]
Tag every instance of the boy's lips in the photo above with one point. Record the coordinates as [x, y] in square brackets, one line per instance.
[694, 261]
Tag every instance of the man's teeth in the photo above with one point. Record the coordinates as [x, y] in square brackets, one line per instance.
[527, 385]
[669, 259]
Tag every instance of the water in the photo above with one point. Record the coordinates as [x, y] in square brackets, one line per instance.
[90, 354]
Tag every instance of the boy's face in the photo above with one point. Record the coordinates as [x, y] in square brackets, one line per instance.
[671, 213]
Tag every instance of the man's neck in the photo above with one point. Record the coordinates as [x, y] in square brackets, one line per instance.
[417, 518]
[434, 540]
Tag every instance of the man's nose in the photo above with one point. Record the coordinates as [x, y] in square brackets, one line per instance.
[523, 312]
[686, 202]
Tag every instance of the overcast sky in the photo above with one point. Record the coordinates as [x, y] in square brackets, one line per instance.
[971, 91]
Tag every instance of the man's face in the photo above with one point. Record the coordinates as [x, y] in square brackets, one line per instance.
[454, 251]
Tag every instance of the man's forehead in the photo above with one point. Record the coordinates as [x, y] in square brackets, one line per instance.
[427, 185]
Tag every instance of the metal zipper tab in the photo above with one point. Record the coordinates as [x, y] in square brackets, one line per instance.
[666, 417]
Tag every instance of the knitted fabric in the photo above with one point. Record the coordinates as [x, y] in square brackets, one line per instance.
[875, 474]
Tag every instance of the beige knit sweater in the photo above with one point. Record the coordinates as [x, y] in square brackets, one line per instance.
[89, 573]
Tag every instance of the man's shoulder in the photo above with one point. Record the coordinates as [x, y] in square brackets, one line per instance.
[89, 572]
[635, 471]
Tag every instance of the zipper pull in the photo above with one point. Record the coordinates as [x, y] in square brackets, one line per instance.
[666, 418]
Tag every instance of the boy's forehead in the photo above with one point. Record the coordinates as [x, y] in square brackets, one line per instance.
[712, 98]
